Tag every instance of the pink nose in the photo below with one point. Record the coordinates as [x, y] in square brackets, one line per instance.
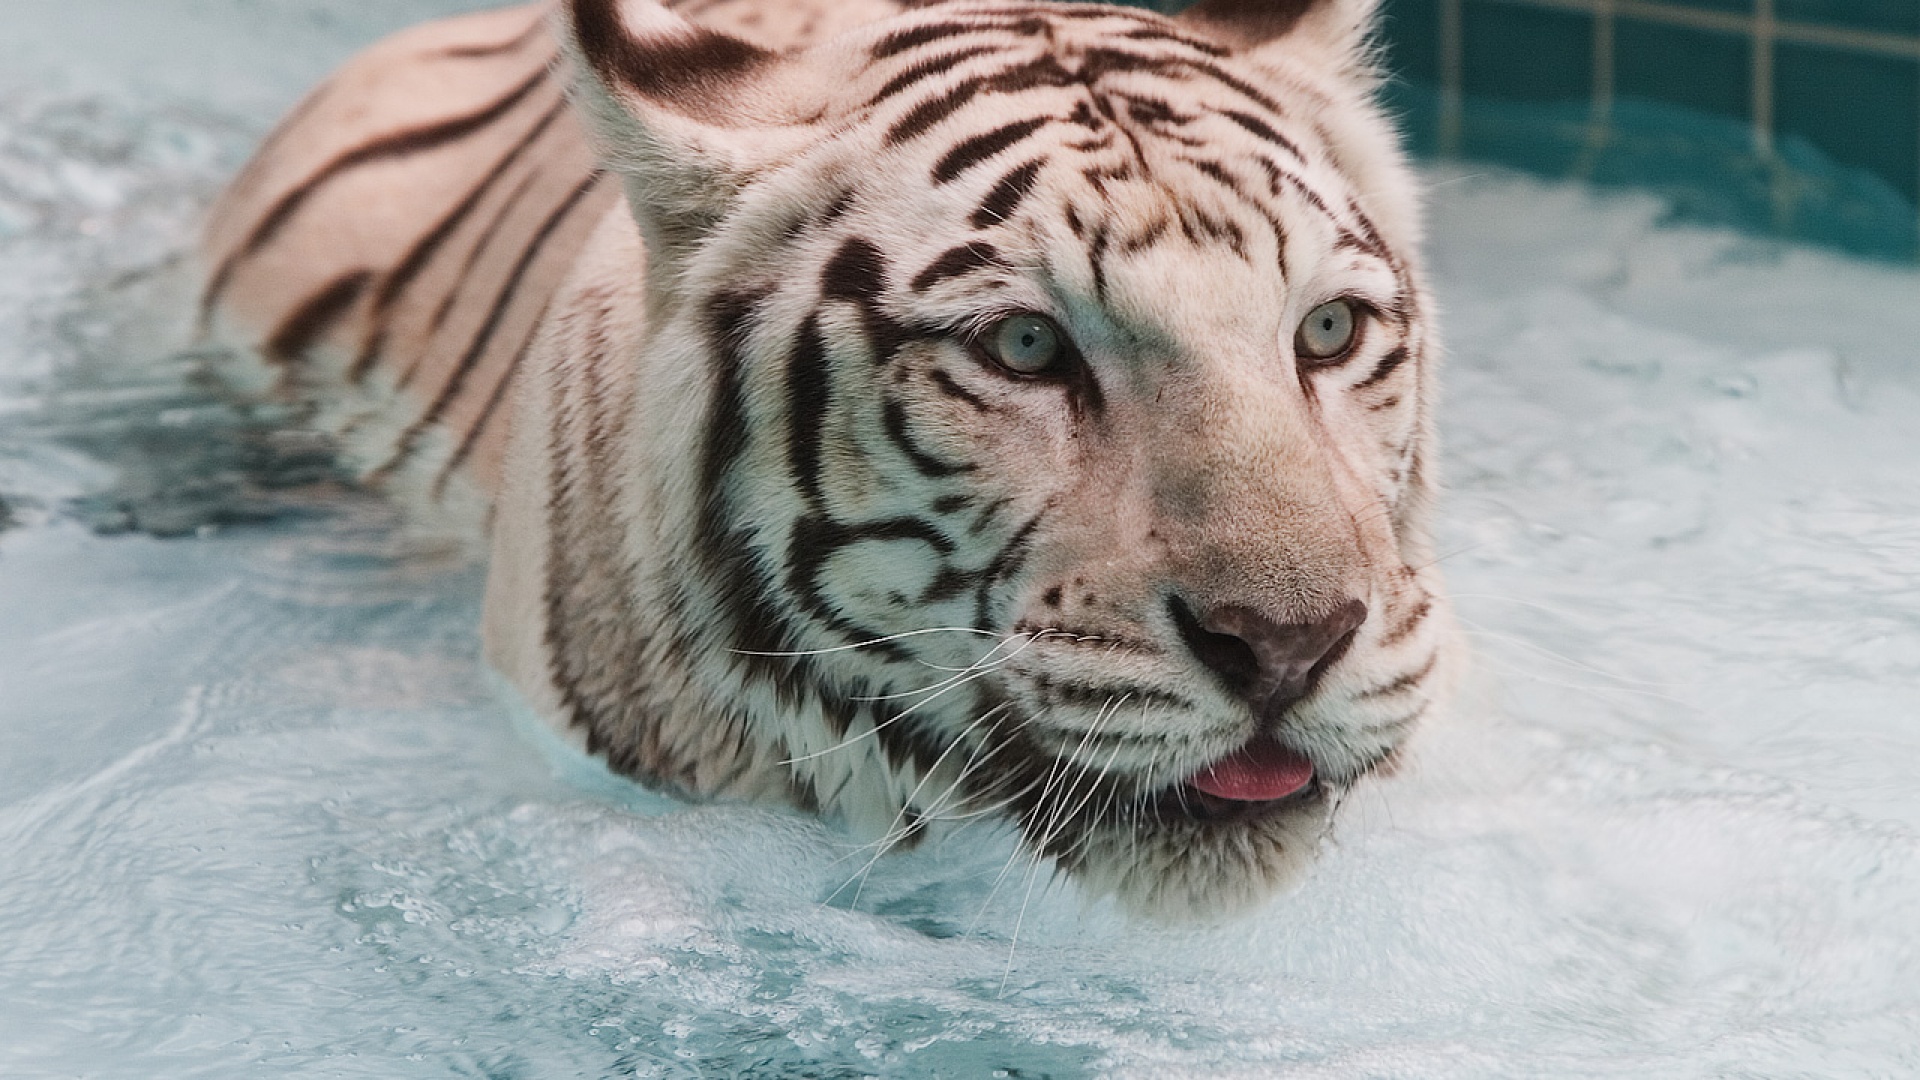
[1270, 664]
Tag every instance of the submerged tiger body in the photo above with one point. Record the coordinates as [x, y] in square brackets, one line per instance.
[983, 409]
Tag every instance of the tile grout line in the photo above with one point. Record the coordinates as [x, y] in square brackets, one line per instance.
[1800, 33]
[1452, 76]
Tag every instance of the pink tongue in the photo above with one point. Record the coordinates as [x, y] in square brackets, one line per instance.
[1261, 770]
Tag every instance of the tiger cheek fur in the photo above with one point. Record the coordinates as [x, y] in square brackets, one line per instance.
[779, 518]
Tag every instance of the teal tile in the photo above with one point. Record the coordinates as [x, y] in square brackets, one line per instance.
[1863, 110]
[1678, 65]
[1736, 7]
[1890, 16]
[1410, 36]
[1519, 53]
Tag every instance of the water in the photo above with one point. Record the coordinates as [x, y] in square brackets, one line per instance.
[262, 812]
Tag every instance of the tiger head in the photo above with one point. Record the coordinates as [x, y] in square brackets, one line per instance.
[1064, 377]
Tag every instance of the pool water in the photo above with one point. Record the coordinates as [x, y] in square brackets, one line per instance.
[263, 813]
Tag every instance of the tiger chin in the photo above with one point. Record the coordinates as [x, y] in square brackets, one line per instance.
[919, 414]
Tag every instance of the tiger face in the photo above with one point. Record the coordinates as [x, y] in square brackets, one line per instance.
[1065, 453]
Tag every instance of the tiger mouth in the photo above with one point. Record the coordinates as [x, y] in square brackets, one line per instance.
[1187, 803]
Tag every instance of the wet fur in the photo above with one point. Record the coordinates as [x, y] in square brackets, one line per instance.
[689, 343]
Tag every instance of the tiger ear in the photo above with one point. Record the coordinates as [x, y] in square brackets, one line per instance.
[1328, 33]
[684, 114]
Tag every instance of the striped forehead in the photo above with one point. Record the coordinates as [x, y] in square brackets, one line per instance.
[1145, 127]
[1145, 140]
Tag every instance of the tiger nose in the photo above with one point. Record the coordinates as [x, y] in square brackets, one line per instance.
[1270, 664]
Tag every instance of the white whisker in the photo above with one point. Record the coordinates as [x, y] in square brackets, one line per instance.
[870, 644]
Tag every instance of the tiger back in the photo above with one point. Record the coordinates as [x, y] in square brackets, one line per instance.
[392, 246]
[977, 410]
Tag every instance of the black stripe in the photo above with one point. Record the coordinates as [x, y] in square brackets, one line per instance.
[743, 591]
[857, 274]
[973, 151]
[479, 248]
[808, 401]
[422, 252]
[816, 539]
[1147, 237]
[508, 293]
[1157, 33]
[1264, 130]
[1218, 173]
[1404, 682]
[901, 40]
[924, 69]
[311, 321]
[680, 68]
[893, 419]
[1387, 365]
[930, 112]
[467, 52]
[1006, 196]
[1411, 621]
[1006, 562]
[956, 262]
[398, 144]
[481, 422]
[952, 389]
[1097, 259]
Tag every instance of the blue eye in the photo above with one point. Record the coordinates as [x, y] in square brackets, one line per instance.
[1026, 344]
[1327, 331]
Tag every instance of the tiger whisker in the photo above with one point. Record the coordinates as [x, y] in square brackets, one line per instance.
[895, 833]
[868, 644]
[981, 664]
[945, 688]
[1055, 822]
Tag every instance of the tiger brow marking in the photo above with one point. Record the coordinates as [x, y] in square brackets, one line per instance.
[973, 151]
[1006, 196]
[956, 262]
[423, 251]
[398, 144]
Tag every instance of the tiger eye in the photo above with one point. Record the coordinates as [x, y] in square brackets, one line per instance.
[1327, 331]
[1026, 344]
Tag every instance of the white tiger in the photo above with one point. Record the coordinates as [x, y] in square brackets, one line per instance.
[973, 409]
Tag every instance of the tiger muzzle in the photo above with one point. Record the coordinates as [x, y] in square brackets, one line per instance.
[1269, 664]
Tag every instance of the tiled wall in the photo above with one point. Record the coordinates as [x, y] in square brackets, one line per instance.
[1800, 117]
[1839, 76]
